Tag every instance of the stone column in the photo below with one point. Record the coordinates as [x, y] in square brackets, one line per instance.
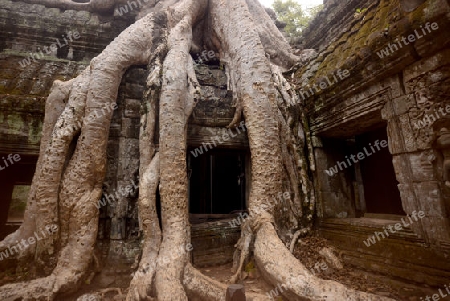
[235, 292]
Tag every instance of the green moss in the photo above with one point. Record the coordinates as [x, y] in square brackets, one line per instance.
[35, 131]
[344, 52]
[15, 124]
[250, 267]
[428, 11]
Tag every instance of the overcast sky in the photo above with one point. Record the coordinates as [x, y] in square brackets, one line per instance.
[304, 3]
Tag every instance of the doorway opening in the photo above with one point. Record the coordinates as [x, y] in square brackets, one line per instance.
[15, 182]
[381, 193]
[217, 183]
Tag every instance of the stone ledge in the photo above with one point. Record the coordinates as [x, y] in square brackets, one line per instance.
[403, 254]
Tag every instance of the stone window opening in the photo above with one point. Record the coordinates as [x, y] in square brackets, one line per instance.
[359, 178]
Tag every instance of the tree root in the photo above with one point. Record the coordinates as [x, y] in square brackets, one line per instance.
[243, 249]
[54, 107]
[332, 259]
[280, 267]
[35, 290]
[297, 234]
[149, 174]
[175, 109]
[141, 285]
[201, 287]
[275, 45]
[79, 176]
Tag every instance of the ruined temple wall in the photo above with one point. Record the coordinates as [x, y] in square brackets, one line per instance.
[27, 74]
[395, 89]
[419, 147]
[29, 65]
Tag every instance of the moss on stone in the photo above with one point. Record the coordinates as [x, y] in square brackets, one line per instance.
[15, 124]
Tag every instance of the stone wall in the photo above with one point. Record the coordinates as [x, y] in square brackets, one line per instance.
[28, 69]
[390, 85]
[29, 28]
[397, 90]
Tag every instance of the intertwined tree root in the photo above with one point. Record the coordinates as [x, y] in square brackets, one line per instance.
[71, 166]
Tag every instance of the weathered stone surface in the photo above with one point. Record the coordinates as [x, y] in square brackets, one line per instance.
[213, 242]
[215, 108]
[422, 166]
[235, 292]
[402, 254]
[217, 137]
[23, 23]
[399, 91]
[431, 202]
[132, 108]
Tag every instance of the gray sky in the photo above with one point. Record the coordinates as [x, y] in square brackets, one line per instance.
[304, 3]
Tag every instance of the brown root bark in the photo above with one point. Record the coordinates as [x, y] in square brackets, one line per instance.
[175, 108]
[275, 45]
[141, 285]
[54, 107]
[243, 250]
[149, 174]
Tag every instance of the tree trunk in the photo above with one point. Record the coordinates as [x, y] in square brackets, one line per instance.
[71, 167]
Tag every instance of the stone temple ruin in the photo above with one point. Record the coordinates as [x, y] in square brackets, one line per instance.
[376, 92]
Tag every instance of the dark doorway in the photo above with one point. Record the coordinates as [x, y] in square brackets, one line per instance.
[216, 182]
[380, 185]
[15, 181]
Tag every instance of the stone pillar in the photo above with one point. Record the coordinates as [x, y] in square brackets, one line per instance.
[417, 118]
[333, 190]
[235, 292]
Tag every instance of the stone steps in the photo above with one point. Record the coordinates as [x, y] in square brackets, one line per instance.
[213, 242]
[401, 255]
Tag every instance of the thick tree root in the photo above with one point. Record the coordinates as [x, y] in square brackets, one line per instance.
[275, 45]
[54, 107]
[82, 183]
[80, 180]
[201, 287]
[35, 290]
[149, 173]
[280, 267]
[243, 249]
[175, 108]
[141, 285]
